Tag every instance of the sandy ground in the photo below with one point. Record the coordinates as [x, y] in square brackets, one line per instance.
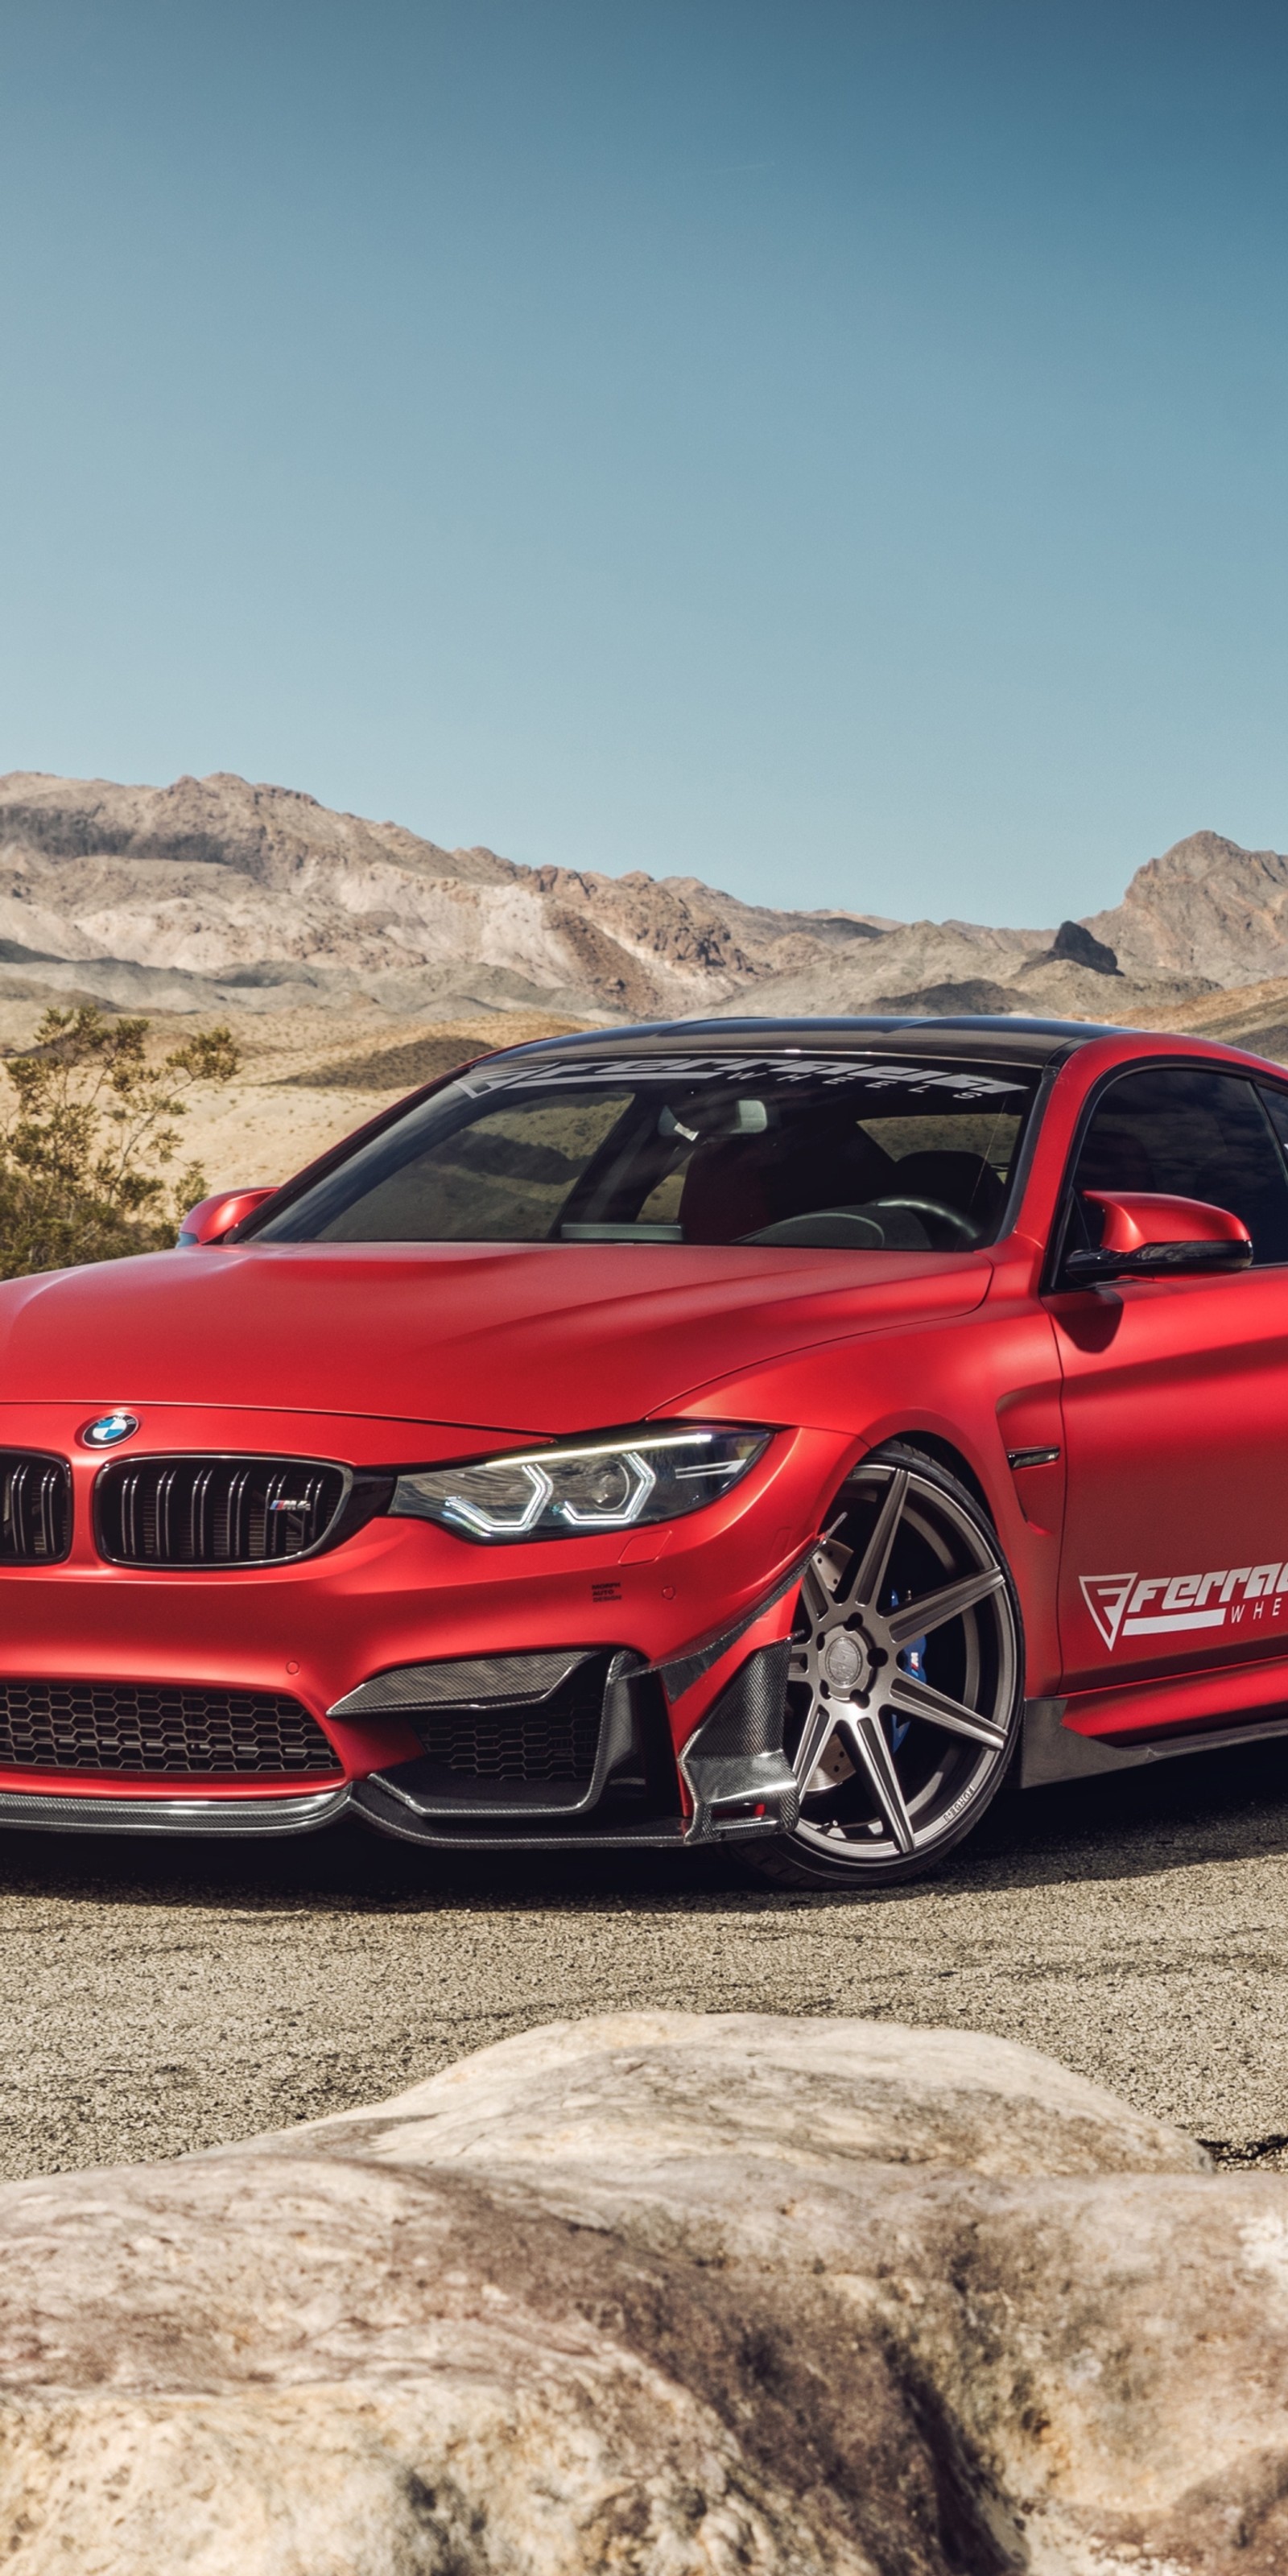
[304, 1086]
[164, 1998]
[307, 1078]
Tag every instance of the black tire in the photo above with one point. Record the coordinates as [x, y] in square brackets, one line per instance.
[902, 1728]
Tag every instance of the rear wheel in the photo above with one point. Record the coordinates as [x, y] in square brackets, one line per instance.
[905, 1689]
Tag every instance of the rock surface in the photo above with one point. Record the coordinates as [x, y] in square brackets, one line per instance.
[678, 2295]
[213, 893]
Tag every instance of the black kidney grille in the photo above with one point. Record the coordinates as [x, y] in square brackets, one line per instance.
[35, 1508]
[121, 1726]
[557, 1739]
[215, 1511]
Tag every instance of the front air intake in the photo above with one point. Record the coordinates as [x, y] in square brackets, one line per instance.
[35, 1508]
[510, 1734]
[220, 1511]
[169, 1731]
[555, 1741]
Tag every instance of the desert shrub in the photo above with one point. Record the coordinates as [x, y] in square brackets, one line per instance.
[87, 1148]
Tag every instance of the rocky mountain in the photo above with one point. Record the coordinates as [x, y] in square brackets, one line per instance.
[1206, 908]
[213, 891]
[213, 887]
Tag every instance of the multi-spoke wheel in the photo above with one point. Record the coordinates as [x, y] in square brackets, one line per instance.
[906, 1679]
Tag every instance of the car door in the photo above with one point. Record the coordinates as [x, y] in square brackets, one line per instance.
[1175, 1394]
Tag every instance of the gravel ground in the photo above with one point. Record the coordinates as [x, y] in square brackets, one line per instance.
[161, 1998]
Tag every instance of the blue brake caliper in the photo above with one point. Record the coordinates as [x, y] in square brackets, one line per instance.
[912, 1659]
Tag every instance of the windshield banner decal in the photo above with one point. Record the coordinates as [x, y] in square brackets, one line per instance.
[870, 1073]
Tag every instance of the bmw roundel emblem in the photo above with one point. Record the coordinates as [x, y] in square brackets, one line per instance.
[109, 1428]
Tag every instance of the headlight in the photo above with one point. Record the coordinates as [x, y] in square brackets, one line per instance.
[612, 1484]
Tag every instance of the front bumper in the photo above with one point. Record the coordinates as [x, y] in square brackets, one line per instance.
[680, 1611]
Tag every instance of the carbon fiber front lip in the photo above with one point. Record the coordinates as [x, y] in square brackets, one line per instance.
[229, 1817]
[377, 1805]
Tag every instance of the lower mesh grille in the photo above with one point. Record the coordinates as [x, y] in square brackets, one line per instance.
[555, 1739]
[114, 1726]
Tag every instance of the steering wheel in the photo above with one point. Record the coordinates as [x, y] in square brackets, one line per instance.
[859, 1228]
[966, 1228]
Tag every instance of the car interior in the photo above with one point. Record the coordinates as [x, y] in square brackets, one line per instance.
[839, 1156]
[776, 1188]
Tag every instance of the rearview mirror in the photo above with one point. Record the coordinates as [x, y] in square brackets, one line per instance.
[1145, 1235]
[700, 1124]
[211, 1219]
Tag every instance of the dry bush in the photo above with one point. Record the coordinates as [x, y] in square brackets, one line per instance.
[85, 1155]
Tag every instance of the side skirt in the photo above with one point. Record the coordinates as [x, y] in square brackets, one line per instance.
[1052, 1751]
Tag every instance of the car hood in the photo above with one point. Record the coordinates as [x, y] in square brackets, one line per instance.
[540, 1338]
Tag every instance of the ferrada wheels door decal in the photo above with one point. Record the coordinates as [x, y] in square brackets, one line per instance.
[1170, 1605]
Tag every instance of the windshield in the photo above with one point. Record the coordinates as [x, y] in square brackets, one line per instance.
[848, 1152]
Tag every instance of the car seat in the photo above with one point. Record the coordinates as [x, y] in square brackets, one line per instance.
[726, 1189]
[735, 1185]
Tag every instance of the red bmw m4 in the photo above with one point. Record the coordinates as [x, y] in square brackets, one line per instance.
[746, 1432]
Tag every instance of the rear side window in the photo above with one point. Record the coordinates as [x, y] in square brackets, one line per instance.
[1192, 1134]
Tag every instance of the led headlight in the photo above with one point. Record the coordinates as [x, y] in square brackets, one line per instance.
[616, 1483]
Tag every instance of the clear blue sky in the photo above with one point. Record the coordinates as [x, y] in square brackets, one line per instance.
[838, 450]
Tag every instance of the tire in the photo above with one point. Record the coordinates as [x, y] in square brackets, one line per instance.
[905, 1691]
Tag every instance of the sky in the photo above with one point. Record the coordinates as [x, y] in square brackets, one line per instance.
[834, 450]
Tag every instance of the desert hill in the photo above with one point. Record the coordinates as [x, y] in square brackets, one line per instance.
[182, 896]
[214, 892]
[1206, 908]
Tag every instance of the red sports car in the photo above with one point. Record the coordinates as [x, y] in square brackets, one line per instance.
[748, 1432]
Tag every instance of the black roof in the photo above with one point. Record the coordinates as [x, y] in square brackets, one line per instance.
[998, 1037]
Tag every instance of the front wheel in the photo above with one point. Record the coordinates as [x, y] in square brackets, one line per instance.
[905, 1688]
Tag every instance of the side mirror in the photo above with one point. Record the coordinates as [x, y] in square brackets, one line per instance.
[212, 1219]
[1145, 1235]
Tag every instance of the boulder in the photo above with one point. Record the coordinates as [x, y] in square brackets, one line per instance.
[660, 2295]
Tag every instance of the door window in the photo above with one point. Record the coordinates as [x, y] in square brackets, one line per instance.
[1275, 1104]
[1192, 1134]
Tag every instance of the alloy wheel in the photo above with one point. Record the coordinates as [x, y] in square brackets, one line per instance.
[904, 1686]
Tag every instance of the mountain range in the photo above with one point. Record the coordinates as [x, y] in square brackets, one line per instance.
[214, 892]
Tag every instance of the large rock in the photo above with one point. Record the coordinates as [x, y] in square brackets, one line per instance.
[669, 2294]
